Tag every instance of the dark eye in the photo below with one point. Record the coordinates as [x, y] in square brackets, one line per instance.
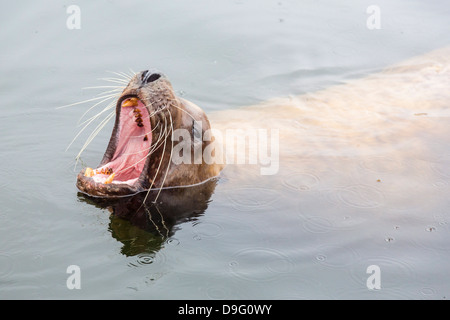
[148, 77]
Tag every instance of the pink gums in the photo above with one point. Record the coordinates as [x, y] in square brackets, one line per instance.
[132, 147]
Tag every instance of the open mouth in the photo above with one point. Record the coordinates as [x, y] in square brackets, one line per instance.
[127, 155]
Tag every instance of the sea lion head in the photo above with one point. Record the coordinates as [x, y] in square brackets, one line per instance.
[140, 151]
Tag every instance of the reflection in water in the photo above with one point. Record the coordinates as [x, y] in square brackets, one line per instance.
[145, 226]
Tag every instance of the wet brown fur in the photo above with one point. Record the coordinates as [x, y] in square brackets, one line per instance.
[167, 113]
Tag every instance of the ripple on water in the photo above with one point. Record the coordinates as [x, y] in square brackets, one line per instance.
[144, 259]
[218, 293]
[361, 196]
[389, 239]
[428, 291]
[252, 198]
[321, 216]
[207, 229]
[301, 181]
[38, 259]
[330, 196]
[336, 256]
[259, 264]
[173, 242]
[318, 225]
[150, 279]
[433, 238]
[395, 273]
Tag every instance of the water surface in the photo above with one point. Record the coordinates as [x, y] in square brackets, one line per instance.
[309, 232]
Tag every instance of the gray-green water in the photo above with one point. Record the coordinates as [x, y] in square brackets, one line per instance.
[266, 238]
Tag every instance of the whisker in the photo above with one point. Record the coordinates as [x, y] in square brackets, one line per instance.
[170, 159]
[159, 166]
[94, 133]
[145, 157]
[145, 133]
[101, 87]
[185, 112]
[117, 91]
[121, 74]
[172, 105]
[115, 80]
[113, 91]
[108, 107]
[149, 148]
[162, 136]
[85, 101]
[79, 132]
[92, 107]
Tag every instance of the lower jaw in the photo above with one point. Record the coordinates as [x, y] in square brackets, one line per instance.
[92, 188]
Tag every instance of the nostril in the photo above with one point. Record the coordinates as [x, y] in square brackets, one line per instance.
[144, 75]
[148, 77]
[153, 77]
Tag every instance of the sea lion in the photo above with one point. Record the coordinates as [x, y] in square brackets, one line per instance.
[140, 150]
[374, 116]
[368, 146]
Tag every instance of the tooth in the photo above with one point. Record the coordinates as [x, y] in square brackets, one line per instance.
[131, 102]
[110, 178]
[88, 172]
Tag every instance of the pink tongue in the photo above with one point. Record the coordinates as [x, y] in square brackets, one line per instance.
[133, 144]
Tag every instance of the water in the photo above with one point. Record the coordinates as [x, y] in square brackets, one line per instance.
[309, 232]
